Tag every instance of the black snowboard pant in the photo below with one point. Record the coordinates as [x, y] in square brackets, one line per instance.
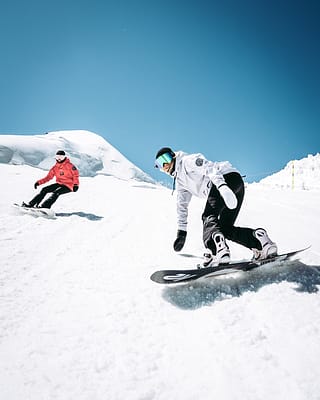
[56, 189]
[218, 218]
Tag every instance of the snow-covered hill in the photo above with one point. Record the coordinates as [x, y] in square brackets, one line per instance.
[80, 318]
[88, 151]
[297, 174]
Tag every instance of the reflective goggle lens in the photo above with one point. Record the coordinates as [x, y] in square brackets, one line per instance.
[165, 158]
[60, 157]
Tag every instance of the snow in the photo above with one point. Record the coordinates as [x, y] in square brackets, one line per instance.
[297, 174]
[80, 318]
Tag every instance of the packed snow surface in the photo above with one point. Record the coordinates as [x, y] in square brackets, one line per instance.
[80, 318]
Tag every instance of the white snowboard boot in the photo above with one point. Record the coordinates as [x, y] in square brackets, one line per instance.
[222, 255]
[269, 248]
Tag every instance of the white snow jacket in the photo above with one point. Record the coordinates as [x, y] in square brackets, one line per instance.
[195, 175]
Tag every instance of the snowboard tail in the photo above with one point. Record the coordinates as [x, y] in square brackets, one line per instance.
[182, 276]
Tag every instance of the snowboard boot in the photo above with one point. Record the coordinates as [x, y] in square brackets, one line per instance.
[268, 247]
[222, 255]
[26, 205]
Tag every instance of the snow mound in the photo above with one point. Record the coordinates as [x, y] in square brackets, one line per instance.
[88, 151]
[298, 174]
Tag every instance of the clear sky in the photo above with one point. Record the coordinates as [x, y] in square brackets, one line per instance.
[235, 80]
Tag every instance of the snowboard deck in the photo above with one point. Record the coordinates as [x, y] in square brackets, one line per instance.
[36, 212]
[172, 276]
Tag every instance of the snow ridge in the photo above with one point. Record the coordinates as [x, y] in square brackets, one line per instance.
[88, 151]
[298, 174]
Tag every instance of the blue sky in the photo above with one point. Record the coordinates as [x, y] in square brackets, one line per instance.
[235, 80]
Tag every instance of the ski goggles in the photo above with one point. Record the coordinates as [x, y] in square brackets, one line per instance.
[60, 157]
[165, 158]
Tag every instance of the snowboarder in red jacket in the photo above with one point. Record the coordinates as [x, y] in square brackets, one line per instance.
[67, 180]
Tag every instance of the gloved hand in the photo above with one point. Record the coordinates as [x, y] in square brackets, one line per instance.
[228, 196]
[179, 242]
[36, 185]
[75, 188]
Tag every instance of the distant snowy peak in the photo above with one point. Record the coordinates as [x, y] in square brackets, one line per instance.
[298, 174]
[91, 153]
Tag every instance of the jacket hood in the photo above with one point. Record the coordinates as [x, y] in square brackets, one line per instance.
[178, 156]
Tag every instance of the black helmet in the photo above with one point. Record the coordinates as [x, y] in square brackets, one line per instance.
[60, 156]
[165, 156]
[164, 150]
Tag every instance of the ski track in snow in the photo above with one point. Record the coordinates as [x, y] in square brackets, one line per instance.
[80, 319]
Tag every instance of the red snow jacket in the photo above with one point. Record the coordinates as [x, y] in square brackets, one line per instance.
[66, 174]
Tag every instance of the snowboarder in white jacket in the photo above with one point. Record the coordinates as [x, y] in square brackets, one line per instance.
[223, 188]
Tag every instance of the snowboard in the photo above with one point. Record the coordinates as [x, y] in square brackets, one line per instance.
[187, 275]
[36, 212]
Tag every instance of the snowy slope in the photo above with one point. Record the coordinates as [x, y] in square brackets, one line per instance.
[80, 318]
[89, 152]
[297, 174]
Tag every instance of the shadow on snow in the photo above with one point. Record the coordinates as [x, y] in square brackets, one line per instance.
[205, 292]
[91, 217]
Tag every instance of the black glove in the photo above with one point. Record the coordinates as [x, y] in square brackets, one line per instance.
[179, 242]
[36, 185]
[75, 188]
